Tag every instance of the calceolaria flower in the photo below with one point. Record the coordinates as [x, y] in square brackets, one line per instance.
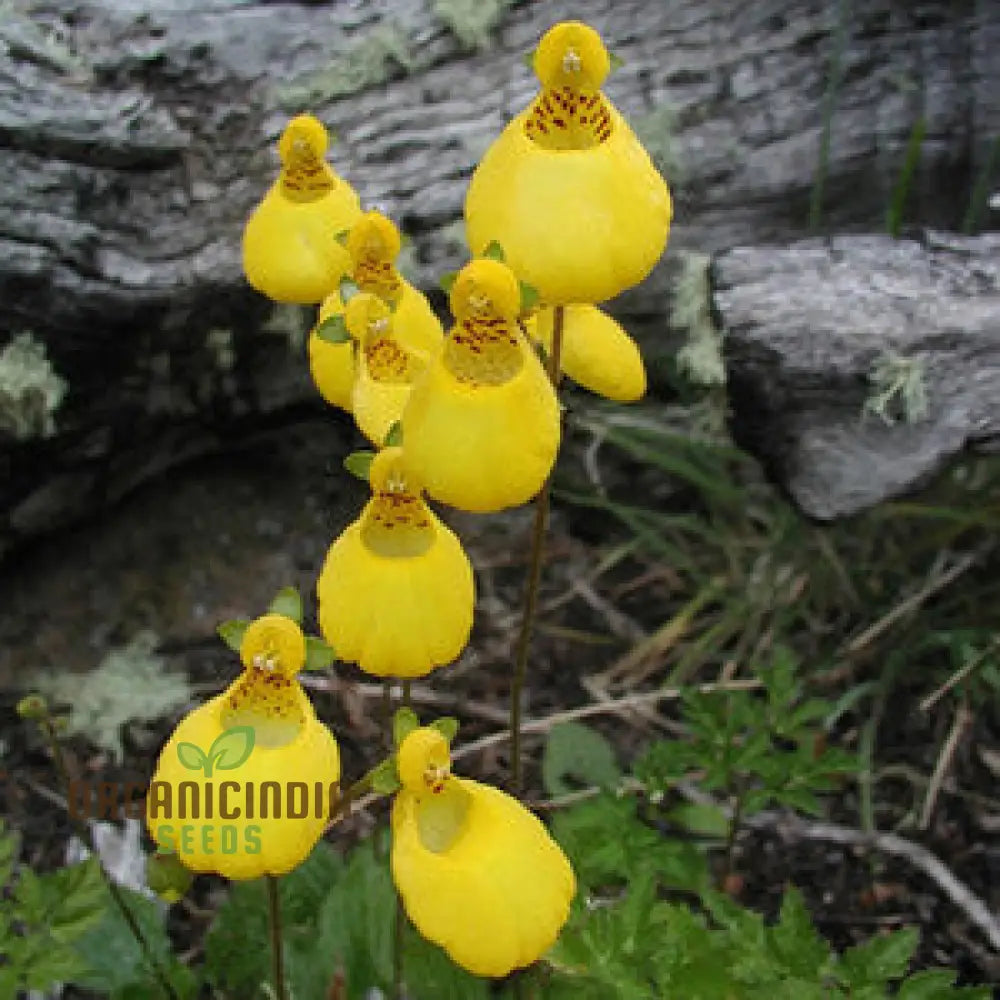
[567, 189]
[478, 873]
[290, 247]
[372, 244]
[386, 366]
[244, 785]
[396, 591]
[596, 351]
[482, 424]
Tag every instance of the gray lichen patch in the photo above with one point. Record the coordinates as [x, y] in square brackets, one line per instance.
[368, 63]
[30, 389]
[700, 359]
[471, 21]
[899, 389]
[657, 131]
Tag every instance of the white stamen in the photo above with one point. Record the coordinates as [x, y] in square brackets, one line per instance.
[258, 661]
[479, 301]
[379, 325]
[571, 61]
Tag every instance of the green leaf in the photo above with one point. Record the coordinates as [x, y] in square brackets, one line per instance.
[394, 436]
[348, 289]
[403, 723]
[385, 777]
[334, 330]
[341, 237]
[192, 757]
[577, 751]
[447, 282]
[75, 899]
[879, 959]
[319, 654]
[359, 464]
[9, 850]
[702, 818]
[430, 974]
[795, 945]
[287, 602]
[232, 748]
[529, 297]
[232, 632]
[446, 726]
[493, 251]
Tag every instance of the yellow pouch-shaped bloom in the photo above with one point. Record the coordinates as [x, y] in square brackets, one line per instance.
[332, 366]
[386, 367]
[596, 352]
[478, 874]
[567, 189]
[396, 591]
[244, 785]
[290, 247]
[482, 424]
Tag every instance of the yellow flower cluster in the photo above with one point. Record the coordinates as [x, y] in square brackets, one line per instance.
[564, 211]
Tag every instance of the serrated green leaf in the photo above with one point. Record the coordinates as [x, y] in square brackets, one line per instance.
[334, 330]
[394, 436]
[359, 464]
[403, 723]
[529, 297]
[287, 602]
[447, 282]
[794, 943]
[701, 818]
[232, 748]
[319, 654]
[385, 778]
[577, 751]
[878, 960]
[446, 726]
[75, 899]
[232, 632]
[931, 984]
[494, 251]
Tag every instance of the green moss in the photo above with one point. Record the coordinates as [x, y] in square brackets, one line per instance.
[471, 21]
[657, 131]
[700, 359]
[368, 63]
[899, 389]
[30, 389]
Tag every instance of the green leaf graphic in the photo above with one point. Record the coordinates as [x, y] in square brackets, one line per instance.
[287, 602]
[333, 330]
[191, 756]
[232, 748]
[232, 632]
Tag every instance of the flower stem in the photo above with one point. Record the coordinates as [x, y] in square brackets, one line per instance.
[542, 501]
[277, 948]
[85, 834]
[398, 940]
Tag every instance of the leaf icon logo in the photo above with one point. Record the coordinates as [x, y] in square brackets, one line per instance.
[228, 751]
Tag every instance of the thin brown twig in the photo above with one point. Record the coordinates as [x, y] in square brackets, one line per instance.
[958, 676]
[963, 718]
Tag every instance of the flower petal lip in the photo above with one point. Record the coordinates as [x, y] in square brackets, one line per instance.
[577, 225]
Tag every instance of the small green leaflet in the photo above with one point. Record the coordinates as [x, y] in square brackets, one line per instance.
[494, 251]
[581, 753]
[529, 297]
[359, 463]
[287, 602]
[446, 726]
[319, 654]
[385, 777]
[403, 723]
[447, 281]
[394, 437]
[232, 633]
[333, 330]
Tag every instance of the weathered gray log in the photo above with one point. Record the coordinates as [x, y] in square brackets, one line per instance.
[137, 136]
[858, 366]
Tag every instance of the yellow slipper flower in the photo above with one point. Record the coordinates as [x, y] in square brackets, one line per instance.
[290, 247]
[332, 366]
[596, 352]
[396, 591]
[567, 189]
[386, 367]
[482, 424]
[478, 874]
[244, 785]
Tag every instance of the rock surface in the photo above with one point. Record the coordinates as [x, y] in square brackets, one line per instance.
[137, 136]
[858, 366]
